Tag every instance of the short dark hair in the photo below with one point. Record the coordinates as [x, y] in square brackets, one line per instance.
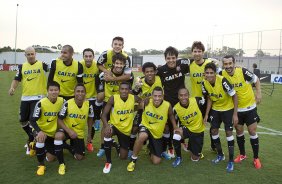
[69, 47]
[255, 65]
[148, 65]
[211, 65]
[198, 45]
[171, 51]
[53, 83]
[80, 84]
[158, 88]
[125, 83]
[229, 56]
[183, 88]
[119, 38]
[120, 57]
[88, 50]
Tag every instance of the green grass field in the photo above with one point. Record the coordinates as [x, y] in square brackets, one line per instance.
[16, 167]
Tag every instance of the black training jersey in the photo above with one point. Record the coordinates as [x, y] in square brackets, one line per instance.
[173, 79]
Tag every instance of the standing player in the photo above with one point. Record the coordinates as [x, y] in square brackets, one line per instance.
[154, 119]
[90, 73]
[172, 75]
[188, 112]
[197, 70]
[67, 72]
[44, 122]
[32, 75]
[72, 120]
[242, 79]
[120, 108]
[221, 107]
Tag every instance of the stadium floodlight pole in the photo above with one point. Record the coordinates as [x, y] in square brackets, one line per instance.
[16, 34]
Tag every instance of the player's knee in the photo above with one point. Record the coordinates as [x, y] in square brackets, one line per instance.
[214, 131]
[156, 160]
[142, 137]
[78, 157]
[59, 136]
[50, 157]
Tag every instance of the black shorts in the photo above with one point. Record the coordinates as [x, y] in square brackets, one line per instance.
[77, 144]
[123, 140]
[248, 117]
[155, 145]
[217, 117]
[26, 110]
[196, 141]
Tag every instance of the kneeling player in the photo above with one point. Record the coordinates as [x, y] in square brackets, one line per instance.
[72, 119]
[44, 122]
[154, 118]
[120, 107]
[187, 112]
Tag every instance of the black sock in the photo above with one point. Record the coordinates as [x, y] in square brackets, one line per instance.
[28, 131]
[212, 141]
[165, 142]
[40, 153]
[92, 132]
[231, 150]
[170, 143]
[59, 151]
[255, 146]
[132, 141]
[177, 147]
[102, 146]
[217, 144]
[134, 160]
[241, 144]
[97, 110]
[108, 149]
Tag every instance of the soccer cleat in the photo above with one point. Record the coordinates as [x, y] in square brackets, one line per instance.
[218, 159]
[240, 158]
[41, 170]
[90, 147]
[131, 166]
[27, 149]
[257, 163]
[230, 166]
[170, 152]
[129, 154]
[107, 168]
[176, 162]
[32, 151]
[165, 155]
[101, 153]
[62, 169]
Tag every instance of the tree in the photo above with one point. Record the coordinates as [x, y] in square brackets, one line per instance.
[134, 52]
[54, 47]
[259, 53]
[59, 46]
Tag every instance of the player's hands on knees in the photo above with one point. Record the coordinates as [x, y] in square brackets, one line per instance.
[72, 134]
[108, 131]
[11, 91]
[41, 136]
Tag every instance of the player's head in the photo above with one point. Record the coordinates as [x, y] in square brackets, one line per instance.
[210, 72]
[183, 96]
[198, 50]
[67, 53]
[88, 56]
[117, 44]
[228, 63]
[53, 89]
[149, 70]
[255, 66]
[157, 96]
[30, 54]
[171, 55]
[124, 89]
[119, 62]
[79, 92]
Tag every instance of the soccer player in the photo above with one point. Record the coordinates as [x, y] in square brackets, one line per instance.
[172, 75]
[188, 112]
[67, 72]
[110, 88]
[154, 119]
[32, 75]
[72, 119]
[242, 79]
[44, 123]
[222, 105]
[90, 73]
[120, 108]
[197, 67]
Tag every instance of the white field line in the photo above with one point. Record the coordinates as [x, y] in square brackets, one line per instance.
[269, 129]
[262, 133]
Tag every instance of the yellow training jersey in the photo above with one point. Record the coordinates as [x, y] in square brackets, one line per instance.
[122, 114]
[47, 121]
[66, 77]
[33, 79]
[197, 76]
[191, 117]
[110, 54]
[155, 118]
[246, 97]
[89, 75]
[220, 93]
[147, 89]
